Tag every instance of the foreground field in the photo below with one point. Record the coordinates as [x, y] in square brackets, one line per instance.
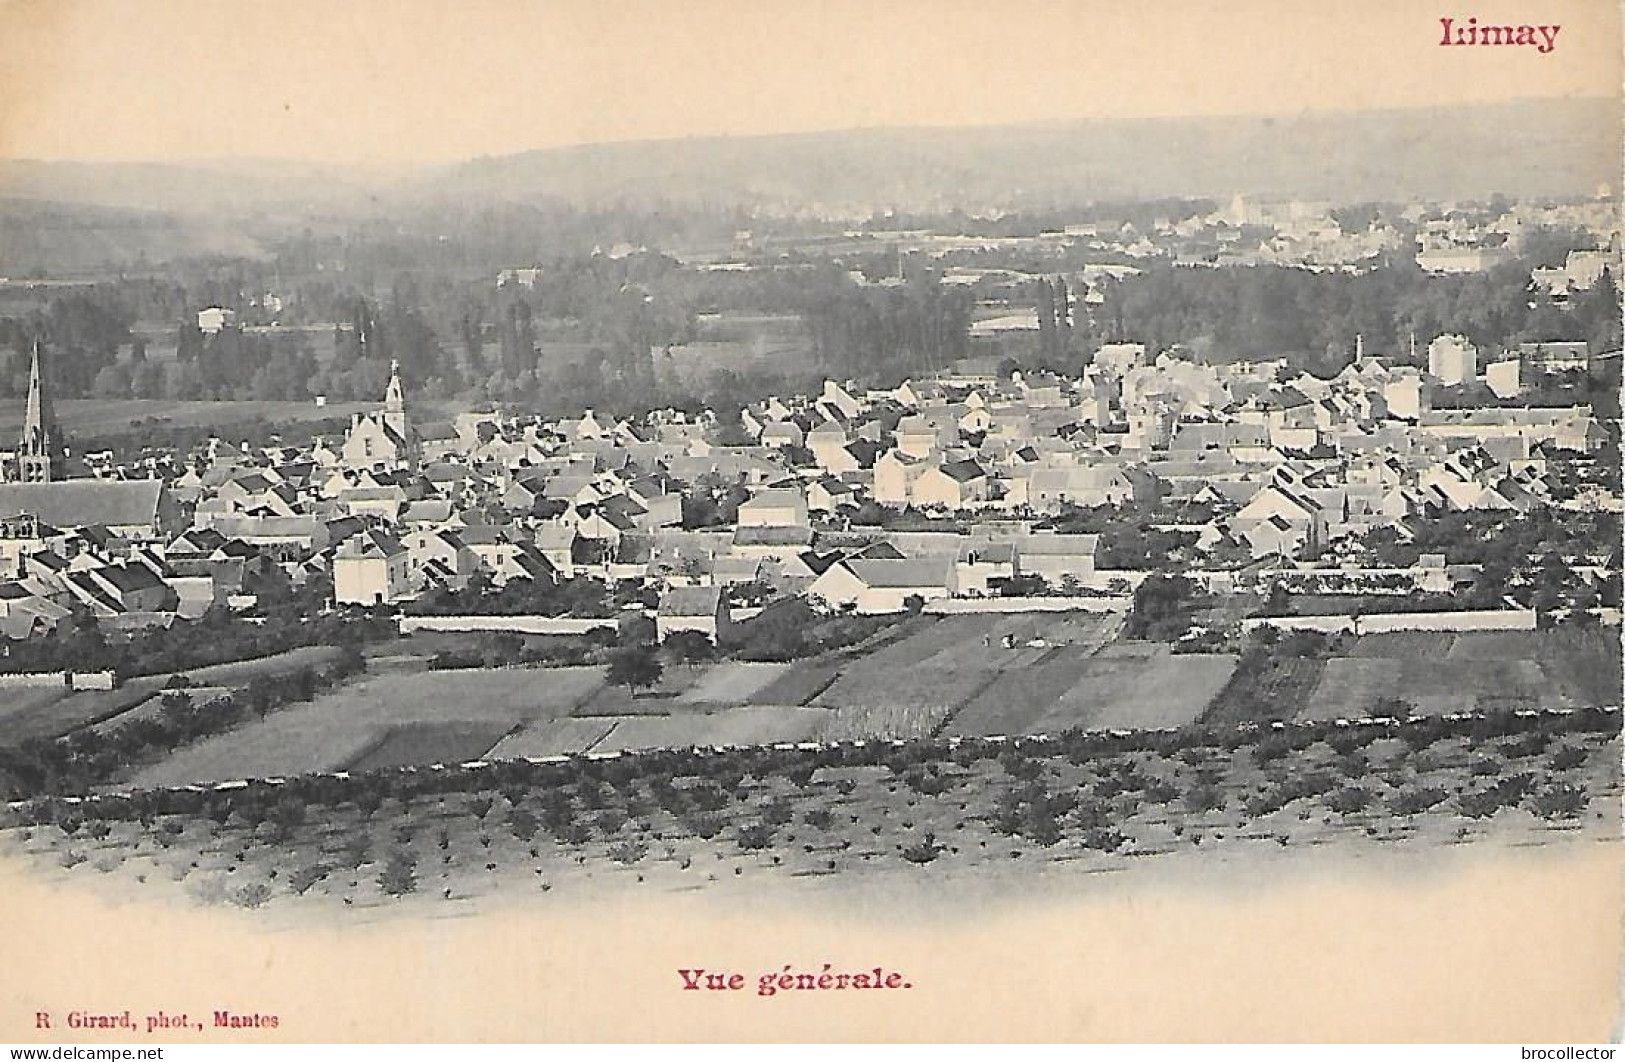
[48, 712]
[927, 811]
[384, 718]
[1439, 672]
[949, 677]
[913, 685]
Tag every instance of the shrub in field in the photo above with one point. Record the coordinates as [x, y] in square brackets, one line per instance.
[922, 852]
[1261, 804]
[1486, 767]
[1161, 792]
[399, 875]
[1514, 788]
[1092, 814]
[705, 827]
[1558, 802]
[304, 878]
[573, 833]
[628, 852]
[755, 837]
[1349, 800]
[1017, 764]
[1529, 745]
[357, 850]
[1108, 787]
[778, 812]
[819, 818]
[1416, 801]
[1568, 757]
[1041, 827]
[1102, 839]
[1204, 796]
[1272, 747]
[1481, 804]
[254, 894]
[928, 783]
[708, 797]
[523, 824]
[1344, 742]
[1353, 765]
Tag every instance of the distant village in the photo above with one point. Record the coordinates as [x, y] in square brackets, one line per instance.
[948, 488]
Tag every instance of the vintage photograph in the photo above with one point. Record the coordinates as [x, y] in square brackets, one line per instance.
[758, 500]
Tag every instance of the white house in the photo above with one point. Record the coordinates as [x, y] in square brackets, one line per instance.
[372, 568]
[872, 586]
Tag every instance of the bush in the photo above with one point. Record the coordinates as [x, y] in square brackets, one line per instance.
[1416, 801]
[399, 875]
[1559, 802]
[1568, 757]
[1480, 805]
[778, 812]
[1103, 839]
[1204, 797]
[1349, 800]
[628, 852]
[523, 824]
[923, 852]
[689, 647]
[1529, 745]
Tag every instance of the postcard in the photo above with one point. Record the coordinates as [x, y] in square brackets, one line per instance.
[540, 521]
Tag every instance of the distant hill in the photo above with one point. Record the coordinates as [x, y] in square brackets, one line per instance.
[53, 239]
[63, 216]
[231, 186]
[1528, 148]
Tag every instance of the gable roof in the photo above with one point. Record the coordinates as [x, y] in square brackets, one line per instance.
[901, 574]
[85, 502]
[691, 601]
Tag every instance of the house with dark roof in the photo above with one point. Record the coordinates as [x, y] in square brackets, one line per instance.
[950, 485]
[694, 608]
[141, 509]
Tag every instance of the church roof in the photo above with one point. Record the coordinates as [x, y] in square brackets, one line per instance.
[85, 502]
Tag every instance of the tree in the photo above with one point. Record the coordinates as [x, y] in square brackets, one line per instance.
[1161, 608]
[635, 667]
[687, 647]
[399, 875]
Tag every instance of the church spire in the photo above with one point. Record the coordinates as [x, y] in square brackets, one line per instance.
[395, 400]
[37, 452]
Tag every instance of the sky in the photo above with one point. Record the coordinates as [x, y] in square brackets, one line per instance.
[415, 81]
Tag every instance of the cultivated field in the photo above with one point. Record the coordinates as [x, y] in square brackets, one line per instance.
[344, 726]
[31, 712]
[920, 817]
[915, 686]
[1438, 673]
[949, 676]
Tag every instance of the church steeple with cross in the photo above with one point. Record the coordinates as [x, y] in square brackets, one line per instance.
[39, 452]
